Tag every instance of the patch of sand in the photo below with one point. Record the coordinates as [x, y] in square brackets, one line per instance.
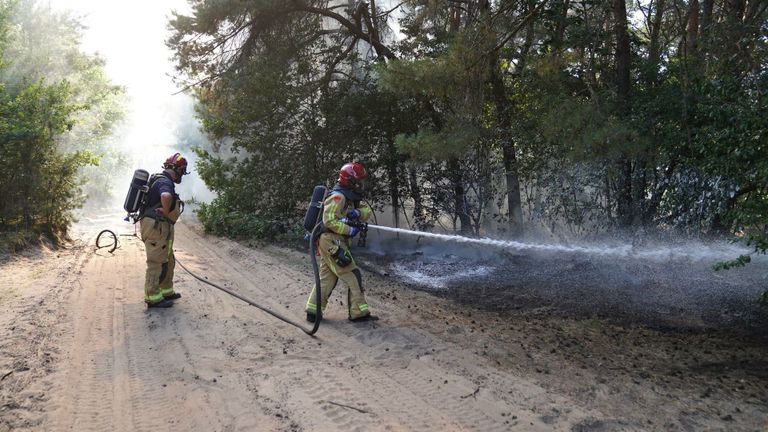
[80, 351]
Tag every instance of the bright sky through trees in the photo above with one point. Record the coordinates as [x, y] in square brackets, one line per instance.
[130, 36]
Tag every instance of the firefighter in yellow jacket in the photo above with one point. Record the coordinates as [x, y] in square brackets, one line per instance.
[336, 262]
[157, 219]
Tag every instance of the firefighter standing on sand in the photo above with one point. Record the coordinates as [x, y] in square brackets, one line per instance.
[157, 219]
[336, 261]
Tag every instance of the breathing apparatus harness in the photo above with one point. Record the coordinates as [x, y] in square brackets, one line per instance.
[138, 193]
[355, 198]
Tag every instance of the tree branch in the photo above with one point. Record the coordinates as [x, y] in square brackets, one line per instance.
[391, 10]
[332, 68]
[347, 406]
[520, 25]
[357, 31]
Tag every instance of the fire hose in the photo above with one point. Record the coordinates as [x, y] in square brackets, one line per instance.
[313, 251]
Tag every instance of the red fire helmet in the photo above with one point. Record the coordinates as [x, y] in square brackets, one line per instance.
[351, 175]
[176, 162]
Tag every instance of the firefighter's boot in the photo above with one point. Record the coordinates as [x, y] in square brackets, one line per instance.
[161, 304]
[364, 318]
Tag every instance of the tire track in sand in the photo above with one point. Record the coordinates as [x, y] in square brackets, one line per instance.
[113, 379]
[350, 377]
[32, 350]
[97, 384]
[380, 392]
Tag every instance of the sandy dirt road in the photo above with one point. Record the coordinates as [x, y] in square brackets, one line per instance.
[79, 351]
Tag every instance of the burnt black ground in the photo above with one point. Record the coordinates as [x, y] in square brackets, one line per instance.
[675, 293]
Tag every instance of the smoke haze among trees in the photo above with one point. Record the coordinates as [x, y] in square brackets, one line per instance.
[569, 117]
[58, 109]
[572, 118]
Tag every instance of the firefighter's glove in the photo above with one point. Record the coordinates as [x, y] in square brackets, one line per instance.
[354, 214]
[353, 231]
[342, 257]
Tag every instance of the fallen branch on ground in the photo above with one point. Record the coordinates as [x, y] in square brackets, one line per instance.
[347, 406]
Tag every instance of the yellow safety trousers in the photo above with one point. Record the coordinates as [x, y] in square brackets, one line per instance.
[330, 273]
[157, 236]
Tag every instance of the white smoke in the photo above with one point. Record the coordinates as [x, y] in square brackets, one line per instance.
[131, 36]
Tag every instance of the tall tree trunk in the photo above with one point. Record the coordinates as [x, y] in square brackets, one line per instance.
[622, 54]
[736, 10]
[503, 113]
[419, 218]
[662, 182]
[705, 33]
[624, 191]
[692, 32]
[735, 29]
[454, 168]
[648, 167]
[654, 46]
[622, 58]
[559, 36]
[460, 196]
[394, 184]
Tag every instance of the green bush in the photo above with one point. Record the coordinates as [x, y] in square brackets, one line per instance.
[218, 219]
[242, 225]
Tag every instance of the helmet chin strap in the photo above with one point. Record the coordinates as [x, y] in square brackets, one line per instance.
[176, 174]
[357, 185]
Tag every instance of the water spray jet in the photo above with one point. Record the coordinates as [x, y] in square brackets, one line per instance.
[663, 253]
